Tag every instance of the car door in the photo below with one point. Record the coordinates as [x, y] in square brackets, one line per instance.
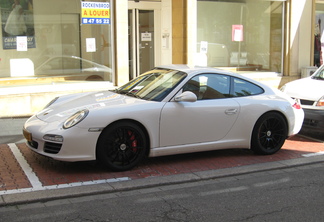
[208, 119]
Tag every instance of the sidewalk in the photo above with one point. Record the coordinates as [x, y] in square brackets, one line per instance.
[29, 177]
[11, 126]
[123, 185]
[25, 100]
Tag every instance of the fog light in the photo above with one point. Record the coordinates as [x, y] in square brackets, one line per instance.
[53, 138]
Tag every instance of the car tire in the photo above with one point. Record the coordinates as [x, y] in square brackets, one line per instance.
[121, 146]
[269, 134]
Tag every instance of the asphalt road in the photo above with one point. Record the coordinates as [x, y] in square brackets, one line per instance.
[291, 194]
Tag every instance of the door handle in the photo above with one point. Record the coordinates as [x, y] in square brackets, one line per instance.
[231, 111]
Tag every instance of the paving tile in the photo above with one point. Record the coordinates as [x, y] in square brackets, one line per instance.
[11, 174]
[51, 172]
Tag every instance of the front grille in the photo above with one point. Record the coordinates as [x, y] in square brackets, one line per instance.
[306, 102]
[52, 148]
[310, 122]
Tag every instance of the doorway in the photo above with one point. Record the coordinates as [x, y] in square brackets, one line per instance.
[143, 32]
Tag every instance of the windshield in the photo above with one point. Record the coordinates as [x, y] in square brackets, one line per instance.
[319, 75]
[154, 85]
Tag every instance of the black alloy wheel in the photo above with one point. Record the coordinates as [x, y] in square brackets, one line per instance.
[121, 146]
[269, 134]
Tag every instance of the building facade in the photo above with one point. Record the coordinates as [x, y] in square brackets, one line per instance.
[56, 42]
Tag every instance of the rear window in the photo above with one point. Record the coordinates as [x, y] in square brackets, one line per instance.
[245, 88]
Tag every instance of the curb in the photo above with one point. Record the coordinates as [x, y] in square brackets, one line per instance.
[12, 126]
[84, 190]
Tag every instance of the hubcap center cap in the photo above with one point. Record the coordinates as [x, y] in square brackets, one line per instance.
[123, 147]
[269, 133]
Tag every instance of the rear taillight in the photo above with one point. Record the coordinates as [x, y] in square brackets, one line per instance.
[296, 104]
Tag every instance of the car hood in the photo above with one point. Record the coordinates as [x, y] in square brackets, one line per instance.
[306, 88]
[68, 105]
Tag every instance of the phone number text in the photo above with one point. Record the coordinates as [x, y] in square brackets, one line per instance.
[95, 21]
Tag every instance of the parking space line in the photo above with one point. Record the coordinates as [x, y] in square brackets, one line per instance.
[313, 154]
[33, 179]
[36, 183]
[66, 185]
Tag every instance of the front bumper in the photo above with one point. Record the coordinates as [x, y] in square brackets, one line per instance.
[78, 143]
[314, 120]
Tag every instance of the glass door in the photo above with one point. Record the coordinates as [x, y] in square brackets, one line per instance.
[146, 40]
[141, 41]
[143, 32]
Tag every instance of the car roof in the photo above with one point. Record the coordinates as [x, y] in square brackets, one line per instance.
[193, 70]
[188, 68]
[196, 69]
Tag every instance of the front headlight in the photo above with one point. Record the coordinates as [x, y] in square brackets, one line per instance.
[320, 102]
[75, 118]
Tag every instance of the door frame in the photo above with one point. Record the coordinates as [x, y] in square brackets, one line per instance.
[156, 7]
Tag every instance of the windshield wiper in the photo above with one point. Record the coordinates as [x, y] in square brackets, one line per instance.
[127, 93]
[113, 90]
[317, 78]
[119, 91]
[132, 95]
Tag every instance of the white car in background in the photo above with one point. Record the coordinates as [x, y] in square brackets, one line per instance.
[72, 68]
[310, 92]
[168, 110]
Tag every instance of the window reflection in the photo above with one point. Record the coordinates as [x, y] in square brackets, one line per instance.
[57, 44]
[242, 34]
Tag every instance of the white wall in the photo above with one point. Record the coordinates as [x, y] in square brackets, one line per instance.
[301, 34]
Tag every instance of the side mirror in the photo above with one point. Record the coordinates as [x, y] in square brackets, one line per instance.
[186, 96]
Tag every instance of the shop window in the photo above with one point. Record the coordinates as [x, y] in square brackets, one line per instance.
[57, 39]
[246, 35]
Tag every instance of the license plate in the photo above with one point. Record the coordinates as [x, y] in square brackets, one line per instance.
[27, 135]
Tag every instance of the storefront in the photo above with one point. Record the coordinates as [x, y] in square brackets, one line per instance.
[51, 42]
[63, 39]
[259, 37]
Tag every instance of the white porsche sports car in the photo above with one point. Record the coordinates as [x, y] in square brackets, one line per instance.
[168, 110]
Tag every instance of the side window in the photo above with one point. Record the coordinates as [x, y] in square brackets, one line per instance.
[209, 86]
[245, 88]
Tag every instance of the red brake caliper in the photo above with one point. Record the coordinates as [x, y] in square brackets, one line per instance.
[133, 139]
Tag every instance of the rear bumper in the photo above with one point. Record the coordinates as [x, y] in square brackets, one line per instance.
[314, 120]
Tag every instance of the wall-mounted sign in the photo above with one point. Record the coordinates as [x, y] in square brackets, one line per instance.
[146, 37]
[203, 47]
[11, 42]
[91, 44]
[21, 43]
[237, 33]
[17, 25]
[95, 13]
